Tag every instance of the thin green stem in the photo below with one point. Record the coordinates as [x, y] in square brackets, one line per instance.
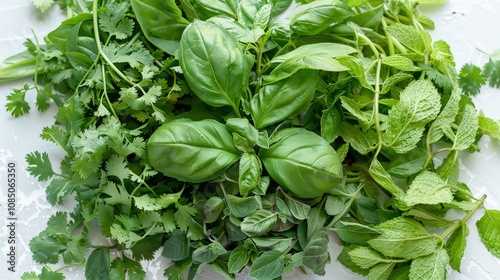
[455, 226]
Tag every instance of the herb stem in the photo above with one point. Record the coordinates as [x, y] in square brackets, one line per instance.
[455, 226]
[347, 205]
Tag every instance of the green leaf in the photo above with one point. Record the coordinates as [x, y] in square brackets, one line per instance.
[362, 141]
[293, 65]
[381, 271]
[145, 248]
[455, 246]
[147, 203]
[354, 108]
[134, 269]
[259, 222]
[184, 215]
[492, 70]
[467, 129]
[286, 98]
[250, 170]
[49, 274]
[428, 188]
[213, 64]
[16, 103]
[316, 16]
[419, 104]
[238, 259]
[98, 264]
[445, 118]
[356, 69]
[330, 124]
[161, 22]
[393, 80]
[365, 257]
[268, 266]
[316, 254]
[489, 230]
[45, 248]
[471, 79]
[400, 62]
[58, 189]
[403, 238]
[43, 5]
[355, 233]
[241, 207]
[407, 164]
[384, 179]
[346, 260]
[409, 36]
[176, 248]
[168, 220]
[298, 209]
[325, 49]
[206, 144]
[291, 162]
[488, 126]
[117, 194]
[113, 20]
[208, 253]
[431, 267]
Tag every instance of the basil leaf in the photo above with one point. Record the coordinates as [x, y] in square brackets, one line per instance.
[303, 163]
[213, 64]
[213, 209]
[161, 22]
[208, 253]
[238, 259]
[355, 233]
[250, 170]
[241, 207]
[206, 145]
[259, 222]
[276, 102]
[176, 248]
[316, 254]
[316, 16]
[268, 266]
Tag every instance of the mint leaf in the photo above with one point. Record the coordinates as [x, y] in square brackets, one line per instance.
[489, 230]
[365, 257]
[400, 62]
[381, 271]
[403, 238]
[361, 141]
[431, 267]
[419, 104]
[445, 118]
[455, 246]
[467, 129]
[428, 188]
[488, 126]
[384, 179]
[346, 260]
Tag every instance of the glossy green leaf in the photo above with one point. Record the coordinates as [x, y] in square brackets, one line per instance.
[289, 97]
[268, 266]
[407, 164]
[316, 254]
[250, 169]
[241, 207]
[206, 144]
[176, 248]
[303, 163]
[238, 259]
[355, 233]
[213, 64]
[161, 22]
[384, 179]
[316, 16]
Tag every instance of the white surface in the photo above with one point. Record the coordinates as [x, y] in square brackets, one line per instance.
[467, 25]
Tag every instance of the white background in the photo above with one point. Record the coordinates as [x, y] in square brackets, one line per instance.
[467, 25]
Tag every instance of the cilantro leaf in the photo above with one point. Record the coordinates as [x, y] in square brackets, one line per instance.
[31, 275]
[117, 194]
[55, 134]
[39, 165]
[492, 71]
[43, 5]
[16, 104]
[471, 79]
[183, 215]
[45, 248]
[112, 19]
[58, 189]
[49, 274]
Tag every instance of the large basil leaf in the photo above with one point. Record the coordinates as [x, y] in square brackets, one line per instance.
[161, 22]
[206, 9]
[276, 102]
[303, 163]
[205, 145]
[314, 17]
[213, 64]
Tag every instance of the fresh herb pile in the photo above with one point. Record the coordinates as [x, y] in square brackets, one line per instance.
[221, 134]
